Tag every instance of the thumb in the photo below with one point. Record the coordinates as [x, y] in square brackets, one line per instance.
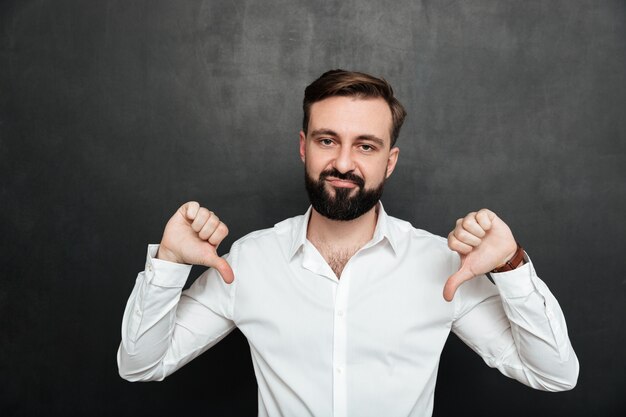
[224, 269]
[454, 281]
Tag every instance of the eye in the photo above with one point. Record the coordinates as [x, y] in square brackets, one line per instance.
[367, 148]
[326, 141]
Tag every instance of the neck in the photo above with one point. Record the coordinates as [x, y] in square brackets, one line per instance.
[342, 234]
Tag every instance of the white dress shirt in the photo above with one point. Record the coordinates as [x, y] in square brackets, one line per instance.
[367, 344]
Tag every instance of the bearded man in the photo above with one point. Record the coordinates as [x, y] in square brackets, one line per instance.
[342, 306]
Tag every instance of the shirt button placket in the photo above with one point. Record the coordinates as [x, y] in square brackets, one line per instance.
[339, 346]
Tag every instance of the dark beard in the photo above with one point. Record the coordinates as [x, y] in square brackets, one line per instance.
[341, 206]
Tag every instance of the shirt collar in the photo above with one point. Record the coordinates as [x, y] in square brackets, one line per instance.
[382, 231]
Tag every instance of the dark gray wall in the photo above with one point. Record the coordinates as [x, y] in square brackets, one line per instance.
[113, 113]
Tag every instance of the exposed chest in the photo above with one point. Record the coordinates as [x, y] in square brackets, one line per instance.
[337, 259]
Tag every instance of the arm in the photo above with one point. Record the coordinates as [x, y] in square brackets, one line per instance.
[162, 328]
[516, 325]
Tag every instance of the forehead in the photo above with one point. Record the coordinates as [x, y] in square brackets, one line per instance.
[352, 116]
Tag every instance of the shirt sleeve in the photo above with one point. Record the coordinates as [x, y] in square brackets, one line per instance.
[164, 328]
[517, 326]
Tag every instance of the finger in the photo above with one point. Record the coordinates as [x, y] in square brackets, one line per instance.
[484, 217]
[465, 237]
[201, 218]
[470, 224]
[209, 227]
[457, 245]
[218, 235]
[190, 209]
[454, 281]
[225, 270]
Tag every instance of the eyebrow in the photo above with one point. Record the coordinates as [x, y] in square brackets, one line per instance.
[330, 132]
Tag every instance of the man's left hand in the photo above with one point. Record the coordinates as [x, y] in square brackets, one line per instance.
[484, 242]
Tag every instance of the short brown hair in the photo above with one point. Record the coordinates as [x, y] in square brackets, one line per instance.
[349, 83]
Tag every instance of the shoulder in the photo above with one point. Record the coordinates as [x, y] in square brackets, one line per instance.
[420, 243]
[271, 239]
[263, 255]
[405, 230]
[257, 235]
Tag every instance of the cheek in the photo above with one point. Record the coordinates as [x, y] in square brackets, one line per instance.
[377, 172]
[313, 168]
[317, 162]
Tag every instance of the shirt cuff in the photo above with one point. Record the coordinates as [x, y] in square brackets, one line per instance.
[165, 273]
[517, 282]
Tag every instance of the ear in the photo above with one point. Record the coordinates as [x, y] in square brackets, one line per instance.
[392, 160]
[302, 145]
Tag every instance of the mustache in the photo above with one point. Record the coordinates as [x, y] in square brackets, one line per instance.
[348, 176]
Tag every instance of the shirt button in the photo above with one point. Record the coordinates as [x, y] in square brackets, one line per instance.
[149, 267]
[340, 313]
[340, 369]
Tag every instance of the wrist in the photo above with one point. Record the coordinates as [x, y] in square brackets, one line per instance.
[514, 260]
[165, 254]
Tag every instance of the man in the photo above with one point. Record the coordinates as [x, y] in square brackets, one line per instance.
[342, 306]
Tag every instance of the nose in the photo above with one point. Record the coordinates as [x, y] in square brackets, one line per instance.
[344, 162]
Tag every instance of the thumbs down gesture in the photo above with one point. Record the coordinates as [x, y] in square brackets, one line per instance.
[484, 243]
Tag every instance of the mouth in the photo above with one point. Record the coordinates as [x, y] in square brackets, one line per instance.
[339, 183]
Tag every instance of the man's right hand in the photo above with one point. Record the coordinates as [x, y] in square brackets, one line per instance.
[192, 236]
